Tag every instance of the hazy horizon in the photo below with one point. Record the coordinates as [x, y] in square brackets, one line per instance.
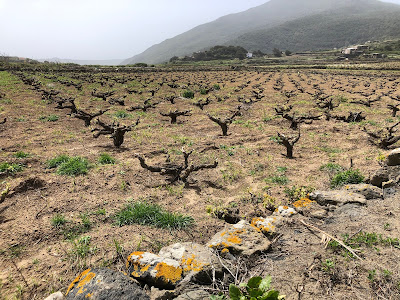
[100, 29]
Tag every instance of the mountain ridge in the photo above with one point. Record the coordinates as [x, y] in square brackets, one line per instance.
[230, 29]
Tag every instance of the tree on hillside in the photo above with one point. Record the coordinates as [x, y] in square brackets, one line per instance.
[276, 52]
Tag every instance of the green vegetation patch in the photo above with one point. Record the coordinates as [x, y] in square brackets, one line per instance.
[144, 213]
[350, 176]
[9, 169]
[70, 166]
[106, 159]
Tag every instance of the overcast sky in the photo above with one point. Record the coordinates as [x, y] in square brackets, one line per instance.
[102, 29]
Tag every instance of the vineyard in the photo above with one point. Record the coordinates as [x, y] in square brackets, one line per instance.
[209, 147]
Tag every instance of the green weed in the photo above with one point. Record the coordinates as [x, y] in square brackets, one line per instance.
[144, 213]
[106, 159]
[58, 220]
[350, 176]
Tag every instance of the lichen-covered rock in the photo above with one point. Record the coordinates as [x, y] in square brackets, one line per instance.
[56, 296]
[367, 190]
[310, 208]
[155, 270]
[103, 284]
[197, 261]
[337, 197]
[393, 159]
[384, 174]
[285, 211]
[269, 225]
[241, 238]
[194, 295]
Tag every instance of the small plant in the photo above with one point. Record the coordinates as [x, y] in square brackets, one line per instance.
[202, 92]
[55, 162]
[350, 176]
[106, 159]
[86, 223]
[81, 248]
[328, 265]
[58, 221]
[256, 288]
[144, 213]
[331, 168]
[188, 94]
[74, 166]
[10, 169]
[121, 114]
[21, 154]
[50, 118]
[298, 192]
[216, 87]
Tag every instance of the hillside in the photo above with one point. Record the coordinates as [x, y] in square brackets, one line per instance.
[296, 25]
[334, 28]
[109, 62]
[229, 27]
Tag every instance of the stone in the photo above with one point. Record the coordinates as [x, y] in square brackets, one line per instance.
[157, 294]
[310, 208]
[390, 188]
[197, 261]
[269, 225]
[56, 296]
[369, 191]
[285, 211]
[194, 295]
[241, 238]
[384, 174]
[102, 284]
[393, 159]
[161, 272]
[337, 197]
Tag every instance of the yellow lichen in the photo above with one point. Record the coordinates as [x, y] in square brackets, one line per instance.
[168, 273]
[225, 250]
[234, 239]
[303, 202]
[136, 253]
[191, 264]
[77, 279]
[89, 295]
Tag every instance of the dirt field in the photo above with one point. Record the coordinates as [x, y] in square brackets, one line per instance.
[39, 258]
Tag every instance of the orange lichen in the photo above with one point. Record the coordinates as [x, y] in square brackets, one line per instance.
[234, 239]
[225, 250]
[89, 295]
[76, 280]
[191, 264]
[303, 202]
[136, 253]
[168, 273]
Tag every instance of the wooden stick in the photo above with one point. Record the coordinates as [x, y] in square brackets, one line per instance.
[333, 238]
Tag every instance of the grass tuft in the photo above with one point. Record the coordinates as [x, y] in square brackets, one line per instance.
[144, 213]
[74, 166]
[106, 159]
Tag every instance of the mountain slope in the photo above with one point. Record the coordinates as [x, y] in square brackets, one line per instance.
[334, 28]
[226, 28]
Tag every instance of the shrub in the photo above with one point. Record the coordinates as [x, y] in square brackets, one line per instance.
[106, 159]
[74, 166]
[350, 176]
[144, 213]
[188, 94]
